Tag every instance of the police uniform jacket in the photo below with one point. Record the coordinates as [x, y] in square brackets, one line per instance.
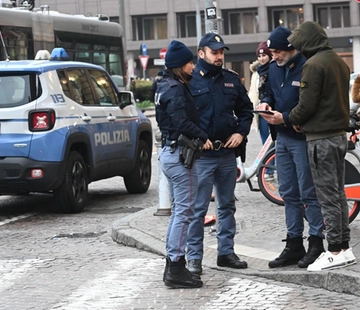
[282, 93]
[223, 105]
[176, 112]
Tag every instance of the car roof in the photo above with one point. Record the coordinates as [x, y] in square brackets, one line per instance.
[41, 66]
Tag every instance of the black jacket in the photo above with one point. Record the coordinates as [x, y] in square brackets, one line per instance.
[223, 104]
[176, 112]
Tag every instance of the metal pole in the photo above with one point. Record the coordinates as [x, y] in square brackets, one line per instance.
[211, 16]
[211, 25]
[124, 42]
[164, 193]
[198, 23]
[122, 22]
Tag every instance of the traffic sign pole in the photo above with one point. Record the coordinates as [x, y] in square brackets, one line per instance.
[211, 16]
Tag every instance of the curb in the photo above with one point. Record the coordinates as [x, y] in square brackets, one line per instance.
[124, 231]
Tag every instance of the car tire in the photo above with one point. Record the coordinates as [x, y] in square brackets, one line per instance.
[72, 194]
[138, 181]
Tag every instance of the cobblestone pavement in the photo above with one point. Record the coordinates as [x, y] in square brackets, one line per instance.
[92, 272]
[52, 261]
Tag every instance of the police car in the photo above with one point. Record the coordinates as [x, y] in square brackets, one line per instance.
[65, 124]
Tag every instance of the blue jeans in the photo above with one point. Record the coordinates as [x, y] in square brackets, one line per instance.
[264, 133]
[219, 172]
[264, 129]
[296, 187]
[183, 185]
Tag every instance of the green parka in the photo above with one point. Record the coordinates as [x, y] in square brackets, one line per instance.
[323, 109]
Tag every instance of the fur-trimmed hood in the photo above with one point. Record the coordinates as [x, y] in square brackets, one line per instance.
[254, 65]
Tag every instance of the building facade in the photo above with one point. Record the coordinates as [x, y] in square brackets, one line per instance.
[241, 23]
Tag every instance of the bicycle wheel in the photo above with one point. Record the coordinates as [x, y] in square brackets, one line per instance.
[352, 176]
[354, 208]
[269, 186]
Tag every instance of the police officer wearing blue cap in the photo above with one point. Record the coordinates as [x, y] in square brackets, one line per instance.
[177, 115]
[225, 115]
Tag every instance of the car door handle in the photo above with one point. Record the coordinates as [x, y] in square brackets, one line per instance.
[111, 118]
[86, 118]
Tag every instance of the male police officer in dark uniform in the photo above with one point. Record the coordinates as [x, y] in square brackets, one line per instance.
[225, 115]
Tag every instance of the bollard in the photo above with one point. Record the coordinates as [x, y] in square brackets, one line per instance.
[164, 193]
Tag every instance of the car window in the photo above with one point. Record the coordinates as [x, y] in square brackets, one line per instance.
[76, 86]
[17, 90]
[104, 90]
[64, 84]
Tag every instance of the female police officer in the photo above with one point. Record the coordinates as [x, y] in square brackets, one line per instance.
[177, 115]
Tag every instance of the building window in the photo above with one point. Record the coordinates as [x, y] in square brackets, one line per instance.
[149, 27]
[240, 22]
[333, 15]
[289, 17]
[186, 25]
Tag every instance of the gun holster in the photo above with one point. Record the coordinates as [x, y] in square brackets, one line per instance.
[241, 150]
[190, 150]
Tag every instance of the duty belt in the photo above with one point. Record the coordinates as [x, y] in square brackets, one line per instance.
[217, 145]
[173, 144]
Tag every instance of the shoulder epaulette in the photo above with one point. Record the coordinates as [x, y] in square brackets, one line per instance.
[231, 71]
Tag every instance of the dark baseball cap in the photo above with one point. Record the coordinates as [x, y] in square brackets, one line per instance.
[212, 40]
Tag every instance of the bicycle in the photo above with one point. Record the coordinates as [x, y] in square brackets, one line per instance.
[352, 170]
[265, 160]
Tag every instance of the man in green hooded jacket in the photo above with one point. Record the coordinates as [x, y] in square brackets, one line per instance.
[323, 114]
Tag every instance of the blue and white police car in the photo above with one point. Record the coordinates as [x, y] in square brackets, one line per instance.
[63, 125]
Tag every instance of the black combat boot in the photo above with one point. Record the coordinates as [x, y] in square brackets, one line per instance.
[168, 264]
[177, 276]
[293, 252]
[166, 267]
[316, 247]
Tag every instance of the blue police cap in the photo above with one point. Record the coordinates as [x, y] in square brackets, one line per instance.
[212, 40]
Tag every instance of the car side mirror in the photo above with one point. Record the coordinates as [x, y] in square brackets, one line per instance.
[125, 99]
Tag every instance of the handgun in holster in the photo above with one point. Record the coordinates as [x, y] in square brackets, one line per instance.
[190, 150]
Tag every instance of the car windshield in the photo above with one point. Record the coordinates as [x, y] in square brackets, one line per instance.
[17, 90]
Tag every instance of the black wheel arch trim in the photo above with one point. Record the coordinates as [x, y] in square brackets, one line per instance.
[80, 142]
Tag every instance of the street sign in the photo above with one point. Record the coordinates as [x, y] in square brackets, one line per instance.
[159, 62]
[143, 49]
[211, 13]
[163, 53]
[144, 59]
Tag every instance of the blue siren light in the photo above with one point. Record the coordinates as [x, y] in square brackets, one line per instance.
[59, 53]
